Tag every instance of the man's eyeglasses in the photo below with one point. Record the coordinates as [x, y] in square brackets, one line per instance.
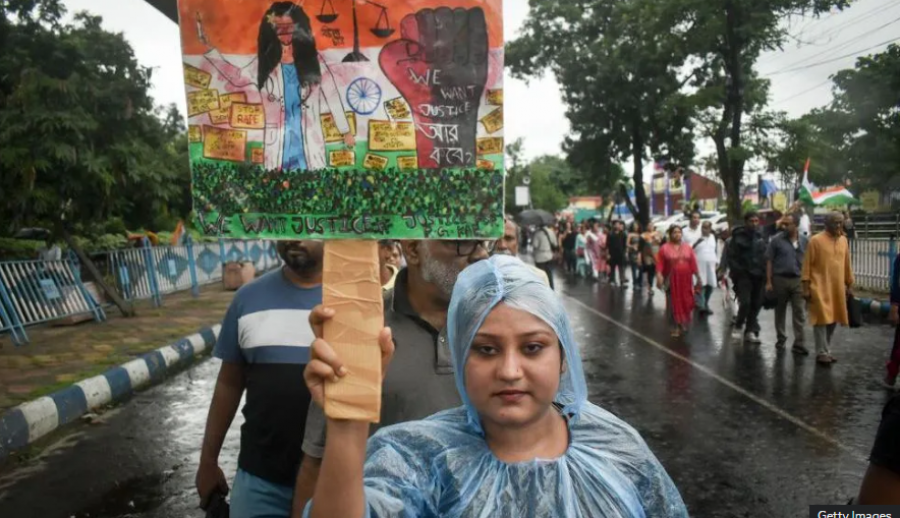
[467, 247]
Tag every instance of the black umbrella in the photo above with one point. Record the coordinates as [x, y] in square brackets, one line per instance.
[536, 217]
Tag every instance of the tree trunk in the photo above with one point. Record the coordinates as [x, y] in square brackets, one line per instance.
[731, 165]
[126, 308]
[643, 207]
[732, 184]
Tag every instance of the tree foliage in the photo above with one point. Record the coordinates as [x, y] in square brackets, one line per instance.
[646, 77]
[553, 180]
[619, 79]
[79, 133]
[856, 137]
[724, 41]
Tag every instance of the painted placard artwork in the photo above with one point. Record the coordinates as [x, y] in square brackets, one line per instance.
[345, 118]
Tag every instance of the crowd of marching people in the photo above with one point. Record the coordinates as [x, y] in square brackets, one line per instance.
[779, 267]
[484, 405]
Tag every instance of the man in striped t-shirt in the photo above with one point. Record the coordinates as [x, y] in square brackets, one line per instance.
[264, 346]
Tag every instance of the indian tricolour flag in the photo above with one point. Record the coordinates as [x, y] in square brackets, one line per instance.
[832, 196]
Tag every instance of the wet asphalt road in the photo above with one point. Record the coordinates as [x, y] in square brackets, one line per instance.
[741, 429]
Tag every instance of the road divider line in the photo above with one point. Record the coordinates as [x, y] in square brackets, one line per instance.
[737, 388]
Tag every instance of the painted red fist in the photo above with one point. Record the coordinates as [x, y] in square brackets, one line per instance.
[440, 66]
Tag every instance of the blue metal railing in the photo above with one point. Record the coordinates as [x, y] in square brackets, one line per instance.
[33, 292]
[40, 291]
[872, 260]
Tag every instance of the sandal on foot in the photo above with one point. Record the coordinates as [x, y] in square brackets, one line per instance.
[824, 359]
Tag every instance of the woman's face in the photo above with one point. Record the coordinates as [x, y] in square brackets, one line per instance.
[513, 369]
[675, 236]
[284, 27]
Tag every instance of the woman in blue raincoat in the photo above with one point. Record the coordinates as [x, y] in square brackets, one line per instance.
[526, 442]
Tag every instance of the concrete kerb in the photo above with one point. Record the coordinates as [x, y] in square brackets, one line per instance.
[876, 308]
[30, 421]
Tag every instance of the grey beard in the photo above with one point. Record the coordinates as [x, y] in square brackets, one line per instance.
[441, 275]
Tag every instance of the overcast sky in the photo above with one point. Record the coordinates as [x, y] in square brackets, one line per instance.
[535, 111]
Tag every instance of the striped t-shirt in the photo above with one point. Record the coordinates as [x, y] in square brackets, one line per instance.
[266, 330]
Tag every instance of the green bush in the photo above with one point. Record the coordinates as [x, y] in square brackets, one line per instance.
[19, 249]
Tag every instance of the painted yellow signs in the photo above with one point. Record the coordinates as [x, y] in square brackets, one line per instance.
[195, 77]
[330, 129]
[392, 136]
[484, 165]
[223, 114]
[407, 163]
[202, 101]
[258, 155]
[247, 116]
[375, 162]
[495, 97]
[195, 134]
[397, 109]
[489, 146]
[224, 144]
[342, 158]
[493, 122]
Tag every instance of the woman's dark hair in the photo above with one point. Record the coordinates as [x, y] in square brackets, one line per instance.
[306, 57]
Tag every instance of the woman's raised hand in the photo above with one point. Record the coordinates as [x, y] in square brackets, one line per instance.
[325, 365]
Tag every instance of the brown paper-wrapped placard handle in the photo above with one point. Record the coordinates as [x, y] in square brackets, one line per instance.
[351, 286]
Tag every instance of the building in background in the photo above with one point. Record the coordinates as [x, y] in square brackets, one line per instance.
[668, 197]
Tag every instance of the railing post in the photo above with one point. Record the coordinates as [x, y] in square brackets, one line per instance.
[892, 252]
[96, 308]
[16, 329]
[151, 272]
[192, 265]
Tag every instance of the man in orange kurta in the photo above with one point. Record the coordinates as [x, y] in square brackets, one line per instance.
[827, 279]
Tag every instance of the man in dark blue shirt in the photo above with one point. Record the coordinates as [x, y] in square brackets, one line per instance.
[784, 262]
[264, 346]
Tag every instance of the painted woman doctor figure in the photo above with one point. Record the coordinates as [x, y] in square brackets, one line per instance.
[295, 85]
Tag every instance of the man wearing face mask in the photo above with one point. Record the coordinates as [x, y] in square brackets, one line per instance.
[264, 346]
[420, 381]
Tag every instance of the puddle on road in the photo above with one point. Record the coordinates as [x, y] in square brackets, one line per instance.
[130, 499]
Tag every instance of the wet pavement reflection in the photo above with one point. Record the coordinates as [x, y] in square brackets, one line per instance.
[741, 429]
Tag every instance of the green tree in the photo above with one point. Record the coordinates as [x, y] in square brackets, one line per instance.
[723, 41]
[863, 121]
[548, 175]
[546, 191]
[80, 138]
[619, 76]
[801, 139]
[856, 137]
